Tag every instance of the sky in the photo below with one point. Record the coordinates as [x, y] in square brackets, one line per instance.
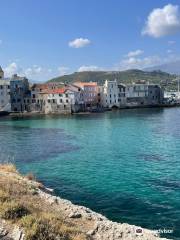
[43, 39]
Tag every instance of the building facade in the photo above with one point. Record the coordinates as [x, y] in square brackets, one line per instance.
[144, 94]
[114, 94]
[110, 91]
[5, 102]
[20, 94]
[91, 94]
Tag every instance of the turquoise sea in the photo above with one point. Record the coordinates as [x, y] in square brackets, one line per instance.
[124, 164]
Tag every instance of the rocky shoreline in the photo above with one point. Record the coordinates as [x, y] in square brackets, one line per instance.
[103, 228]
[93, 225]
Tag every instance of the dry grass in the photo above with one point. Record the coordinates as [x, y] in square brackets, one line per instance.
[21, 205]
[9, 168]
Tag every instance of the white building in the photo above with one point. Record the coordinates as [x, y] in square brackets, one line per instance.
[110, 94]
[113, 94]
[5, 104]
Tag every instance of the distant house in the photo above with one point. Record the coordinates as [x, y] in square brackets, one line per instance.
[113, 94]
[146, 94]
[110, 91]
[20, 94]
[76, 94]
[91, 93]
[56, 101]
[5, 102]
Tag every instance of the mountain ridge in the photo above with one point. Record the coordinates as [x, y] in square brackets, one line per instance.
[171, 67]
[126, 77]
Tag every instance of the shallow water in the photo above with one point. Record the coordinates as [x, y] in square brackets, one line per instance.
[124, 164]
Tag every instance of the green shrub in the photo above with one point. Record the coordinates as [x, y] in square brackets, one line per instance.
[4, 196]
[12, 210]
[45, 227]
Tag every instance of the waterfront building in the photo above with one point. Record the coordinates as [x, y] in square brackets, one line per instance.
[110, 92]
[114, 94]
[19, 93]
[146, 94]
[5, 104]
[76, 95]
[91, 94]
[56, 101]
[122, 95]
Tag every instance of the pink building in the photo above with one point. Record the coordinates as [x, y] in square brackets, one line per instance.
[91, 93]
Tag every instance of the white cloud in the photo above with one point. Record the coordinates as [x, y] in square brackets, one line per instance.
[169, 51]
[135, 53]
[11, 69]
[139, 63]
[163, 21]
[33, 71]
[171, 42]
[89, 68]
[62, 70]
[79, 42]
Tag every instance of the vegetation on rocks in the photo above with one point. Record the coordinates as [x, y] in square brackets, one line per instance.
[20, 205]
[28, 211]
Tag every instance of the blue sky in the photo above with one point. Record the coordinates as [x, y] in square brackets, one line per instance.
[47, 38]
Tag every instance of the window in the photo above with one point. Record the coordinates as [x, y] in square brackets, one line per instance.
[110, 95]
[49, 100]
[18, 100]
[66, 95]
[60, 101]
[54, 100]
[67, 100]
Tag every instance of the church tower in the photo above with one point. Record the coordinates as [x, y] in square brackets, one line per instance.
[1, 73]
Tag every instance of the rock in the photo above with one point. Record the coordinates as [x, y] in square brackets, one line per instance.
[3, 232]
[75, 215]
[91, 232]
[17, 234]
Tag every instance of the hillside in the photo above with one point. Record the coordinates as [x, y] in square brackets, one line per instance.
[171, 67]
[129, 76]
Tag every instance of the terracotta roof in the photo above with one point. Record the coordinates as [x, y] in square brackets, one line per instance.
[55, 91]
[83, 84]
